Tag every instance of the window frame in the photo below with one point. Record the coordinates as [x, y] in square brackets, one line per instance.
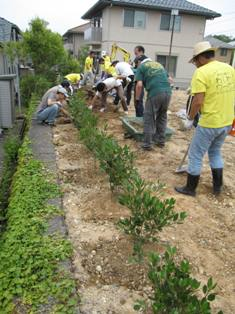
[167, 56]
[223, 52]
[171, 22]
[134, 21]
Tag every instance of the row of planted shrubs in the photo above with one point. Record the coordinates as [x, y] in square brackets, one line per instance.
[174, 290]
[32, 278]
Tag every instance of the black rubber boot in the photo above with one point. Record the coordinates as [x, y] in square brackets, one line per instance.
[217, 175]
[190, 187]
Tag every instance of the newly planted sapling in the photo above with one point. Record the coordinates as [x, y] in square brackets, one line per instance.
[149, 214]
[174, 290]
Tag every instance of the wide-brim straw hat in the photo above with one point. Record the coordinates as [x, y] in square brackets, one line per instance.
[201, 47]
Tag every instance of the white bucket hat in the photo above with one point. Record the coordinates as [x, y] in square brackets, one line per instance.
[201, 47]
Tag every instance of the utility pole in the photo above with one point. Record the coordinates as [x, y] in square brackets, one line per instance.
[174, 13]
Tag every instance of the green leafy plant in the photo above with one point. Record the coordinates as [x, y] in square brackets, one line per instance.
[174, 290]
[11, 147]
[29, 268]
[149, 214]
[116, 161]
[33, 84]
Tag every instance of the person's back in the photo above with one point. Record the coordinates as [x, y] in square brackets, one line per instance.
[50, 93]
[154, 78]
[124, 69]
[88, 64]
[217, 80]
[74, 78]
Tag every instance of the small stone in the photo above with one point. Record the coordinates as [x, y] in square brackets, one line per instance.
[98, 268]
[93, 252]
[122, 301]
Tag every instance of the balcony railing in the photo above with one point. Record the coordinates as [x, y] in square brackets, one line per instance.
[93, 35]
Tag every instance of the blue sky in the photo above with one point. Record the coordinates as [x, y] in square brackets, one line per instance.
[62, 16]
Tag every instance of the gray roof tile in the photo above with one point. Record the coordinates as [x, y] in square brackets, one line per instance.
[5, 30]
[218, 43]
[182, 5]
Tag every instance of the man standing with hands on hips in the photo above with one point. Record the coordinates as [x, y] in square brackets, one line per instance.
[213, 87]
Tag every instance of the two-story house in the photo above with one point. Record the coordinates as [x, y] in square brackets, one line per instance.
[74, 39]
[149, 23]
[9, 75]
[224, 52]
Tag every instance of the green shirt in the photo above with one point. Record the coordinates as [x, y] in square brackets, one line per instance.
[154, 78]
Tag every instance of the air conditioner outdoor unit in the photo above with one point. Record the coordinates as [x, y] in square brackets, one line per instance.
[7, 103]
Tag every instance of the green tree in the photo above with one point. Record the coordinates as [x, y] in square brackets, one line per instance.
[83, 53]
[224, 38]
[43, 46]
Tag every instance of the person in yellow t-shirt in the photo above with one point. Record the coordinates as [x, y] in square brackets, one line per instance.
[107, 69]
[213, 87]
[88, 69]
[74, 80]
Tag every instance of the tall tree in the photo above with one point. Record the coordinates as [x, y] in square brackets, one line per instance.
[43, 46]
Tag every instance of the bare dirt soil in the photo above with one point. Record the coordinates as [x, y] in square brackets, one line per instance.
[107, 281]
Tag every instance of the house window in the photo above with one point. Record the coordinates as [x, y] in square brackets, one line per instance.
[172, 64]
[134, 18]
[167, 22]
[223, 52]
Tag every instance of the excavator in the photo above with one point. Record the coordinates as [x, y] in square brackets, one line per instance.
[115, 49]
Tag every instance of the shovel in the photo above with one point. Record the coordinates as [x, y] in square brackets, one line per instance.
[183, 168]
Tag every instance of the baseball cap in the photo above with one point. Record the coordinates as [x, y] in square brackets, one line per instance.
[62, 91]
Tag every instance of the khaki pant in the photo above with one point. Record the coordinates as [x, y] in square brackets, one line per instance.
[120, 93]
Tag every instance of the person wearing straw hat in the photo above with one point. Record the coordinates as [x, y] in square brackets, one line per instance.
[213, 87]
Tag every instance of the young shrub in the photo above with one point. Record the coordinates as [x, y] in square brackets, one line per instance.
[83, 117]
[33, 84]
[149, 214]
[116, 161]
[174, 290]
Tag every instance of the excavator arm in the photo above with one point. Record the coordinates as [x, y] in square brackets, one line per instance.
[115, 49]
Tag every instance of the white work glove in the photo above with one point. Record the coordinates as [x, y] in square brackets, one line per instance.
[188, 124]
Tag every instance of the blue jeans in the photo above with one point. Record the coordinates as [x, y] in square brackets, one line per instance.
[206, 140]
[49, 114]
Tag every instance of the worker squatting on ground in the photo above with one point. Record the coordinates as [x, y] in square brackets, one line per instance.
[139, 106]
[89, 69]
[213, 87]
[52, 102]
[102, 91]
[153, 77]
[74, 80]
[126, 74]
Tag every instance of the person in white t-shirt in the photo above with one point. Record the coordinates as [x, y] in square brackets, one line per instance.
[125, 73]
[102, 89]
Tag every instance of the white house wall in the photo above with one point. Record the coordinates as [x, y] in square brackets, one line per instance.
[155, 40]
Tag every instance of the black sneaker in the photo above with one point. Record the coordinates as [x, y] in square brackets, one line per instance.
[147, 148]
